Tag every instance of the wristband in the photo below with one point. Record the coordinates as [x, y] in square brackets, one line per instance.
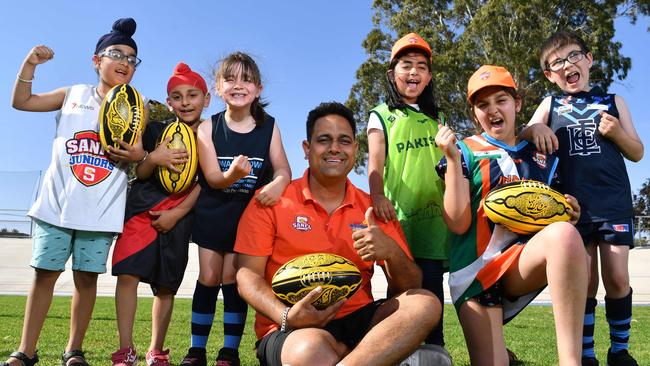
[24, 80]
[146, 154]
[285, 314]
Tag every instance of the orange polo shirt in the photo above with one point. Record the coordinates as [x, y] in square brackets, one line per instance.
[298, 225]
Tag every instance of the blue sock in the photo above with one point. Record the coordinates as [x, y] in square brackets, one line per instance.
[234, 316]
[204, 303]
[619, 317]
[588, 329]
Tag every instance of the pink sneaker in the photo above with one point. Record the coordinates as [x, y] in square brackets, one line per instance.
[157, 357]
[124, 357]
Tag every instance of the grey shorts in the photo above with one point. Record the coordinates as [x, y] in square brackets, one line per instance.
[53, 245]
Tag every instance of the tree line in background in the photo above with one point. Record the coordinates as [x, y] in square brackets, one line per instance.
[468, 33]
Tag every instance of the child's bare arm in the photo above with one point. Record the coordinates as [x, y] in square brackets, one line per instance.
[239, 167]
[538, 132]
[376, 159]
[270, 194]
[22, 97]
[167, 219]
[621, 131]
[162, 156]
[457, 208]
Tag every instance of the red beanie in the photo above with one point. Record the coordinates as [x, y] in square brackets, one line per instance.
[183, 75]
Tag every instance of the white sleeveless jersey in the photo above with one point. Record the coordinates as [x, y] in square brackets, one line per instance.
[81, 189]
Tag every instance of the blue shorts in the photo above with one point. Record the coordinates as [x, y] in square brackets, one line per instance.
[614, 232]
[52, 246]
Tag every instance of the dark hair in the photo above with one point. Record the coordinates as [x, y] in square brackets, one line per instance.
[426, 100]
[558, 40]
[508, 89]
[325, 109]
[241, 63]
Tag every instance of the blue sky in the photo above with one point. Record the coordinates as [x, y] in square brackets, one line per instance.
[308, 52]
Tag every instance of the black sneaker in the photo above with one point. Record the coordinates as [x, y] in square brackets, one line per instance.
[620, 358]
[589, 361]
[228, 357]
[195, 357]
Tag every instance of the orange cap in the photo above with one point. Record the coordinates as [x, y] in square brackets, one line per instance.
[489, 75]
[410, 40]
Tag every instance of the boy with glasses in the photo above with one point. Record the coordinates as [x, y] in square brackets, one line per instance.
[593, 133]
[81, 204]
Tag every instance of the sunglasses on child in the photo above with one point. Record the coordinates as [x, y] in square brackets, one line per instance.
[573, 58]
[117, 55]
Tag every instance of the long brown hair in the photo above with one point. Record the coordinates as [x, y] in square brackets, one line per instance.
[239, 62]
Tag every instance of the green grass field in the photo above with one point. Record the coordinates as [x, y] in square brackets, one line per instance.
[531, 335]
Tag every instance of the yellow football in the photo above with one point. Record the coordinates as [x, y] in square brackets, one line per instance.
[121, 116]
[182, 137]
[338, 277]
[525, 206]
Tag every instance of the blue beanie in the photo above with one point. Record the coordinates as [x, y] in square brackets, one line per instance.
[122, 31]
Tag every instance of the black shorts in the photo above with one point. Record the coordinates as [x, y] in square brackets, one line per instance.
[614, 232]
[162, 262]
[349, 329]
[491, 296]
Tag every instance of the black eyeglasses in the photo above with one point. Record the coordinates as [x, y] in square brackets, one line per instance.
[573, 57]
[117, 55]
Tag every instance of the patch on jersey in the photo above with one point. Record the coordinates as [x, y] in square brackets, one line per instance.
[564, 109]
[87, 158]
[599, 107]
[540, 159]
[494, 154]
[621, 228]
[301, 223]
[355, 227]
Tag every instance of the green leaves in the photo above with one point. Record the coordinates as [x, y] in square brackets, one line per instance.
[468, 33]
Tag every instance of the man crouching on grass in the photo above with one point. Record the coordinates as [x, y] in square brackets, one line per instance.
[359, 330]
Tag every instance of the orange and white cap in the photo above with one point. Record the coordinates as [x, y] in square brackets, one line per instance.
[411, 40]
[489, 75]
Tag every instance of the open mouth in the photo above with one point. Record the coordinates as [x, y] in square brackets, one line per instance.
[573, 77]
[412, 84]
[496, 122]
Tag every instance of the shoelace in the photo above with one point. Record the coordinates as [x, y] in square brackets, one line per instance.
[125, 355]
[157, 357]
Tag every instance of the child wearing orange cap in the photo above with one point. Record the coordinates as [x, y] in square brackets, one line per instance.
[153, 246]
[401, 156]
[495, 273]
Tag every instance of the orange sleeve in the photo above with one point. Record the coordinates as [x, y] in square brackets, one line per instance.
[256, 230]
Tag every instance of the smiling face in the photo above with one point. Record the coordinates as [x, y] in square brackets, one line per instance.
[331, 149]
[113, 72]
[237, 88]
[571, 78]
[495, 110]
[411, 75]
[187, 103]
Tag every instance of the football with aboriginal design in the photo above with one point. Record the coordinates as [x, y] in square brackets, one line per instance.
[338, 277]
[525, 206]
[121, 116]
[182, 137]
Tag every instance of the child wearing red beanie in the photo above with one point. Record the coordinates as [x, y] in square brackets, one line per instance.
[153, 246]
